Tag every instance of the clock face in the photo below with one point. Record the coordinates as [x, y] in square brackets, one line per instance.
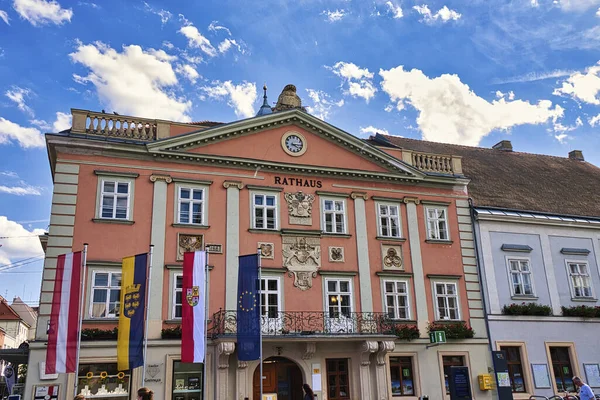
[294, 143]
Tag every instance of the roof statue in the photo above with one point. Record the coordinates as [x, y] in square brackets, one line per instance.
[288, 99]
[265, 108]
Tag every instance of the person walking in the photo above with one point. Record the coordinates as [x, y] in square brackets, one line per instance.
[585, 392]
[309, 395]
[145, 394]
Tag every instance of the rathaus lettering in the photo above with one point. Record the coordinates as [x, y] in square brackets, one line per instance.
[298, 182]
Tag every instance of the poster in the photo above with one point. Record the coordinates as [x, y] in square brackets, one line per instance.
[540, 376]
[316, 377]
[592, 374]
[45, 392]
[503, 379]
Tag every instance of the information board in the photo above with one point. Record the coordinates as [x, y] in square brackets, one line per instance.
[592, 375]
[541, 378]
[460, 384]
[503, 383]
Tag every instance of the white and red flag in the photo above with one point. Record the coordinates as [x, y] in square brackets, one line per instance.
[193, 304]
[63, 330]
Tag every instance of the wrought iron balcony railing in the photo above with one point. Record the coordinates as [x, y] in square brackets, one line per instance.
[301, 323]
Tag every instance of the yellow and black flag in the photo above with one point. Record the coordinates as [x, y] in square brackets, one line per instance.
[130, 343]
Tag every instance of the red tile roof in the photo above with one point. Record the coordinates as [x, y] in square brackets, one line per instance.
[6, 312]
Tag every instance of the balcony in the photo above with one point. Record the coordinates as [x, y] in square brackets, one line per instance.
[118, 126]
[433, 163]
[306, 323]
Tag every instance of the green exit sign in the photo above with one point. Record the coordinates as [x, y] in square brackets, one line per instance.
[437, 337]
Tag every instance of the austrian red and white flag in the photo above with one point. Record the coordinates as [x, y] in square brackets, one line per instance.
[193, 307]
[63, 331]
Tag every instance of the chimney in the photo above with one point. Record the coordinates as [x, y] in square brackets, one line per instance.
[503, 145]
[576, 155]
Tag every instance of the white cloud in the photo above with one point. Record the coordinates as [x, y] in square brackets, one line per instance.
[449, 111]
[88, 4]
[63, 122]
[510, 95]
[443, 15]
[394, 9]
[164, 15]
[561, 137]
[582, 86]
[4, 16]
[594, 120]
[188, 71]
[197, 40]
[134, 81]
[535, 76]
[239, 97]
[25, 137]
[9, 174]
[358, 82]
[22, 190]
[372, 130]
[25, 243]
[322, 103]
[41, 12]
[18, 95]
[334, 16]
[598, 13]
[40, 123]
[168, 45]
[213, 27]
[576, 5]
[226, 44]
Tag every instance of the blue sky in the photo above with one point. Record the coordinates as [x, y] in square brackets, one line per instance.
[471, 72]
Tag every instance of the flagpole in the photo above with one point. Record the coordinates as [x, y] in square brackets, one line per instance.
[146, 312]
[205, 321]
[83, 280]
[260, 322]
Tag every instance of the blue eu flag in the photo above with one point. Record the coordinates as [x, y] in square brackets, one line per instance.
[248, 309]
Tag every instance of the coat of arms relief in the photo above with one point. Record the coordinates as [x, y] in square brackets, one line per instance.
[302, 258]
[299, 207]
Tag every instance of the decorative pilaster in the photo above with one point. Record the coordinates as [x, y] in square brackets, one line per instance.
[362, 246]
[232, 242]
[367, 348]
[157, 238]
[417, 263]
[380, 371]
[224, 350]
[242, 381]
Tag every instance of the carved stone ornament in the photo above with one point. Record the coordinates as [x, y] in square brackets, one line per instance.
[234, 184]
[392, 257]
[225, 349]
[384, 347]
[367, 348]
[302, 258]
[299, 207]
[187, 242]
[158, 177]
[336, 254]
[267, 250]
[242, 364]
[309, 350]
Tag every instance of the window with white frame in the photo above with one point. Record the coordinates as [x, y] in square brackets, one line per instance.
[269, 297]
[115, 199]
[339, 297]
[264, 211]
[191, 201]
[334, 216]
[446, 300]
[581, 283]
[105, 294]
[177, 295]
[396, 299]
[388, 217]
[521, 282]
[437, 222]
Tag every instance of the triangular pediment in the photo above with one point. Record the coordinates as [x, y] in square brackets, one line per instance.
[262, 141]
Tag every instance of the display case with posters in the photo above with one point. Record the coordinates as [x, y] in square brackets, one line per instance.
[103, 380]
[188, 381]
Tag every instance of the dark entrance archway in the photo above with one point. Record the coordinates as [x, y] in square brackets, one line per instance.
[282, 376]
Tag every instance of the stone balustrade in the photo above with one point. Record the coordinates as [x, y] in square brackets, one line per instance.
[118, 126]
[436, 163]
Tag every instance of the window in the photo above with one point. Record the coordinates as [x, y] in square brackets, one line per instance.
[177, 295]
[437, 223]
[446, 301]
[339, 302]
[188, 381]
[264, 211]
[581, 284]
[396, 299]
[334, 216]
[106, 294]
[451, 361]
[515, 368]
[562, 369]
[115, 199]
[521, 283]
[191, 205]
[401, 376]
[269, 297]
[388, 216]
[338, 385]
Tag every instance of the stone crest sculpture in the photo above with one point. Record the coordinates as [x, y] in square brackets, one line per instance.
[392, 257]
[187, 242]
[302, 258]
[299, 207]
[336, 254]
[266, 250]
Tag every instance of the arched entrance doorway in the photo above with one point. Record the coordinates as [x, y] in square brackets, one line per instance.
[282, 376]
